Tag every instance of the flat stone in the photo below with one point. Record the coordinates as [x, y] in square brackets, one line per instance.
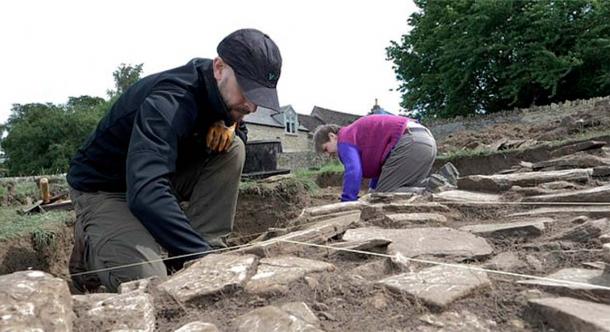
[415, 218]
[272, 318]
[451, 244]
[595, 194]
[577, 160]
[361, 245]
[590, 211]
[466, 196]
[332, 208]
[531, 191]
[377, 212]
[506, 261]
[593, 283]
[375, 197]
[374, 270]
[438, 286]
[580, 146]
[316, 233]
[210, 275]
[198, 327]
[133, 311]
[274, 275]
[560, 185]
[141, 285]
[302, 311]
[456, 321]
[606, 253]
[503, 182]
[34, 301]
[584, 232]
[568, 314]
[601, 171]
[523, 228]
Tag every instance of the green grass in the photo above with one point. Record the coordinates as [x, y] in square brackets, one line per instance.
[13, 225]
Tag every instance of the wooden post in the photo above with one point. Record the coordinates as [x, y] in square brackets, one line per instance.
[44, 190]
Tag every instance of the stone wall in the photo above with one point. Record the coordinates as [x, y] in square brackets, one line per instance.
[537, 114]
[290, 142]
[301, 160]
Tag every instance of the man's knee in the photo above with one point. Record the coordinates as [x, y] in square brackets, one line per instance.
[113, 278]
[119, 261]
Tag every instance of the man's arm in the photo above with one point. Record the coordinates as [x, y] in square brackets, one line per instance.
[352, 175]
[150, 160]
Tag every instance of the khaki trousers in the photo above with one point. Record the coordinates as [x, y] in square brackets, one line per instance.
[107, 234]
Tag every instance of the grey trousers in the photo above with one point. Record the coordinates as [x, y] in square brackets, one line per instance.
[409, 163]
[107, 234]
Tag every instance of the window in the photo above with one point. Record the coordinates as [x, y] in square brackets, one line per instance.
[290, 121]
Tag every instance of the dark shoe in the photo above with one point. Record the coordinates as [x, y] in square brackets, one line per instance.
[450, 173]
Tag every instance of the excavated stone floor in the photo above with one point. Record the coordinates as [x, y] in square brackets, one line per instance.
[526, 249]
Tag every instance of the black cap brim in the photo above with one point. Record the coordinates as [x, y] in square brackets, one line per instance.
[259, 94]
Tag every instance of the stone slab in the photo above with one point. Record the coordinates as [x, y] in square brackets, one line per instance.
[595, 194]
[274, 275]
[451, 244]
[584, 232]
[506, 261]
[210, 275]
[317, 233]
[332, 208]
[593, 283]
[272, 319]
[466, 196]
[302, 311]
[569, 314]
[576, 147]
[377, 212]
[198, 327]
[520, 228]
[415, 218]
[503, 182]
[438, 286]
[132, 311]
[601, 171]
[590, 211]
[577, 160]
[34, 301]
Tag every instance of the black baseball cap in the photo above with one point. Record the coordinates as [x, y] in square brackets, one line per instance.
[257, 64]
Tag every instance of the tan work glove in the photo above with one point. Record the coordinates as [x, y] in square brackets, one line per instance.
[220, 136]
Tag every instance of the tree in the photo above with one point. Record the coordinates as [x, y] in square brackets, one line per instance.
[473, 56]
[42, 138]
[124, 76]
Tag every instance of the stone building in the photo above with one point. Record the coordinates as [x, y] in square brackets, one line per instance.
[282, 125]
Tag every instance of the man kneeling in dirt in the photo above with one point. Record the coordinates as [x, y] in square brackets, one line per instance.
[395, 152]
[169, 138]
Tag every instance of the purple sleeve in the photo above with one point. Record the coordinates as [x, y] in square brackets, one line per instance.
[373, 183]
[352, 176]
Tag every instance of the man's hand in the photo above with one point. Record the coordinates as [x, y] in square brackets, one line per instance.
[220, 136]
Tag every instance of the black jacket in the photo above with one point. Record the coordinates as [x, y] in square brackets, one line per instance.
[157, 125]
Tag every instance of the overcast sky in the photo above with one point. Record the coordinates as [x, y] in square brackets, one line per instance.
[333, 51]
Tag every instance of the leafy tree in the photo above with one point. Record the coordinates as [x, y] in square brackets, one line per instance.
[124, 76]
[476, 56]
[43, 138]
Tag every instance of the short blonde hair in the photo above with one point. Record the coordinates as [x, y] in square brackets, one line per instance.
[320, 136]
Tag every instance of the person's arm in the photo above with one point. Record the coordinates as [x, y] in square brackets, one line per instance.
[150, 160]
[373, 183]
[352, 175]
